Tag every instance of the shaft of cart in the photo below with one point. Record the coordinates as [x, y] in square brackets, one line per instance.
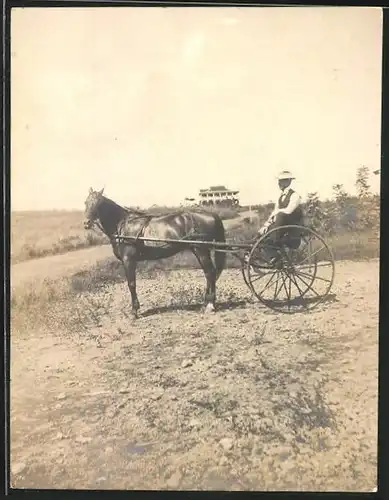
[213, 244]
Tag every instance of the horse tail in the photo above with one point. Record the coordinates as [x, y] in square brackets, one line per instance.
[220, 257]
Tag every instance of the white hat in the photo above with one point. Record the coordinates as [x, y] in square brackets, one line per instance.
[285, 174]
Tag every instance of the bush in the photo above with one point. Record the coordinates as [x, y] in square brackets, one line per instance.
[345, 213]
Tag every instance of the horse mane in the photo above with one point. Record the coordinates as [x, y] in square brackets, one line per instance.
[135, 211]
[147, 213]
[128, 210]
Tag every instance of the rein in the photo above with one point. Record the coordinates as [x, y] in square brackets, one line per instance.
[97, 223]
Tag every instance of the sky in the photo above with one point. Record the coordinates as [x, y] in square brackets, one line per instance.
[156, 103]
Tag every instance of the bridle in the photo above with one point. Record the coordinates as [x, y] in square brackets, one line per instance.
[95, 223]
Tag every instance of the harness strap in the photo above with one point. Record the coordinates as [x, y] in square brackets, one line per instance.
[193, 229]
[142, 229]
[97, 223]
[117, 237]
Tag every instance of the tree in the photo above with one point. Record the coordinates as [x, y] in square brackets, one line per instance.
[340, 211]
[340, 194]
[314, 211]
[362, 182]
[367, 205]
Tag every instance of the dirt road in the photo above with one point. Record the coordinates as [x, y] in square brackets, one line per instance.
[243, 399]
[57, 266]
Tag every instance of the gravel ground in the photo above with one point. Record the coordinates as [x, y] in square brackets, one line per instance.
[244, 399]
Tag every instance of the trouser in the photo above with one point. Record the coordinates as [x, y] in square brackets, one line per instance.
[282, 219]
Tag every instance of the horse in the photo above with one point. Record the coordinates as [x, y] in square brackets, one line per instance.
[117, 221]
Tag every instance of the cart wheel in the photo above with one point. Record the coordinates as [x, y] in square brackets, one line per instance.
[246, 280]
[290, 269]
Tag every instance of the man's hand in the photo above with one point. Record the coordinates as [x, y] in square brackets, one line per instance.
[265, 227]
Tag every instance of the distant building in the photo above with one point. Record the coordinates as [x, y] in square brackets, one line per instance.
[219, 195]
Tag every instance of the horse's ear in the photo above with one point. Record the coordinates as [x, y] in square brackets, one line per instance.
[90, 190]
[101, 192]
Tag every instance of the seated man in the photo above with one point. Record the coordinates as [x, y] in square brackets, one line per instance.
[287, 211]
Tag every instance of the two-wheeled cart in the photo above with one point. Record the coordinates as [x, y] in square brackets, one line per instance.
[288, 269]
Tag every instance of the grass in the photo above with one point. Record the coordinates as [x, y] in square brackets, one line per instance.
[37, 234]
[75, 303]
[355, 246]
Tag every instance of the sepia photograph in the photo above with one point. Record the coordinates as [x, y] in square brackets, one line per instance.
[195, 248]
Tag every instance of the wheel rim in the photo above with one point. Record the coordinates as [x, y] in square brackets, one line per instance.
[245, 277]
[287, 278]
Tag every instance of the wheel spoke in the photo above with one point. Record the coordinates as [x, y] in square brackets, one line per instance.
[311, 255]
[291, 277]
[290, 262]
[306, 275]
[286, 290]
[276, 291]
[268, 283]
[257, 277]
[283, 284]
[290, 290]
[309, 287]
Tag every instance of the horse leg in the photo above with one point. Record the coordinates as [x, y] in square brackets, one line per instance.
[129, 263]
[205, 261]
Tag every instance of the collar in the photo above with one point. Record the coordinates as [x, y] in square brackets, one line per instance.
[285, 191]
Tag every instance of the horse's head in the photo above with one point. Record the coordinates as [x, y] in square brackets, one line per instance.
[92, 204]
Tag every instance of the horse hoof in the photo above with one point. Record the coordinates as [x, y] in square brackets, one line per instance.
[209, 308]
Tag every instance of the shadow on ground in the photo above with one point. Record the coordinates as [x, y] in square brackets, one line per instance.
[221, 306]
[227, 305]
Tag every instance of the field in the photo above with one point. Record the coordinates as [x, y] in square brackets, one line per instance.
[245, 399]
[37, 234]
